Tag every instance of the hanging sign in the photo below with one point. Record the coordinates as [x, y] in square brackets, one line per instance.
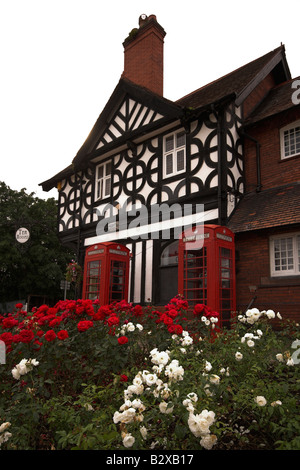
[22, 235]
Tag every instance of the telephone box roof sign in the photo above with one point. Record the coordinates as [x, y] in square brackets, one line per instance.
[107, 247]
[195, 238]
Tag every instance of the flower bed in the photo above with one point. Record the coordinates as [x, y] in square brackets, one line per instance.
[84, 376]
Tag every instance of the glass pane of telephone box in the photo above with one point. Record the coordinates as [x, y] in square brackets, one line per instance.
[117, 280]
[93, 280]
[195, 276]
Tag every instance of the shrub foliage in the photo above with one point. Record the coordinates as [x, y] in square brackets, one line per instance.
[84, 376]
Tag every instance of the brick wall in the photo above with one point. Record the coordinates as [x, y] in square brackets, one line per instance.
[253, 277]
[258, 94]
[274, 171]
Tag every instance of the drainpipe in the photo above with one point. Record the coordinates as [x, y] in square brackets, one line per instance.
[221, 159]
[258, 173]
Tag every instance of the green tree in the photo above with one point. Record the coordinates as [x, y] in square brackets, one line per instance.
[37, 266]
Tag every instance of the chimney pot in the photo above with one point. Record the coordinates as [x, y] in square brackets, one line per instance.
[142, 20]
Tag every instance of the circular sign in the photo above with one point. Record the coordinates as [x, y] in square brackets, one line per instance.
[22, 235]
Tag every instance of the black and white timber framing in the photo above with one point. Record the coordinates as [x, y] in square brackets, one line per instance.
[129, 134]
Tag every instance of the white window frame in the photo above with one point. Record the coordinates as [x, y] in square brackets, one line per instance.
[103, 183]
[288, 149]
[280, 261]
[171, 154]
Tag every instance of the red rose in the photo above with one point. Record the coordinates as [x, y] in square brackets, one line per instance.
[62, 334]
[56, 321]
[50, 335]
[7, 338]
[123, 378]
[113, 320]
[123, 340]
[198, 309]
[138, 310]
[173, 313]
[166, 319]
[84, 325]
[175, 329]
[19, 305]
[9, 322]
[26, 336]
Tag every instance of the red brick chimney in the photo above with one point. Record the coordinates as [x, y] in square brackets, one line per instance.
[143, 54]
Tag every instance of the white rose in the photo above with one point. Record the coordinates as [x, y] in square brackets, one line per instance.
[130, 326]
[4, 426]
[279, 357]
[22, 369]
[238, 356]
[260, 400]
[270, 314]
[214, 379]
[143, 432]
[276, 403]
[15, 373]
[150, 379]
[117, 417]
[128, 415]
[164, 408]
[193, 396]
[128, 440]
[208, 441]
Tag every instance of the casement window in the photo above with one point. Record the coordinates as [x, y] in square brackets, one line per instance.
[285, 255]
[103, 181]
[174, 158]
[290, 140]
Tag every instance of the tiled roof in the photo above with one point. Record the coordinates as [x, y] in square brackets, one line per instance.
[279, 99]
[269, 208]
[234, 82]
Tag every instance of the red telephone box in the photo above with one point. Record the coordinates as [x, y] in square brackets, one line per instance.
[206, 269]
[106, 272]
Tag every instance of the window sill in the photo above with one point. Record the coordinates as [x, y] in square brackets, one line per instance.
[288, 159]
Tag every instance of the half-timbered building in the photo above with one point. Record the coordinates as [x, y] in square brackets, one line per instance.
[184, 159]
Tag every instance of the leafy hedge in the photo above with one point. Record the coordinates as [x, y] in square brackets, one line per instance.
[84, 376]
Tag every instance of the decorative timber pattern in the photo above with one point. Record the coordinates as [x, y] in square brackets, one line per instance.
[130, 116]
[137, 175]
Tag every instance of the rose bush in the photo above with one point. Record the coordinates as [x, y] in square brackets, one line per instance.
[83, 376]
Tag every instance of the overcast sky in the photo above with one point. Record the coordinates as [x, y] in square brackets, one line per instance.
[61, 60]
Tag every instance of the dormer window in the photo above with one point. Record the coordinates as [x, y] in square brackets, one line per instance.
[290, 140]
[174, 154]
[103, 181]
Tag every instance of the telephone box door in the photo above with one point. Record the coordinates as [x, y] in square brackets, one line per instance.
[206, 269]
